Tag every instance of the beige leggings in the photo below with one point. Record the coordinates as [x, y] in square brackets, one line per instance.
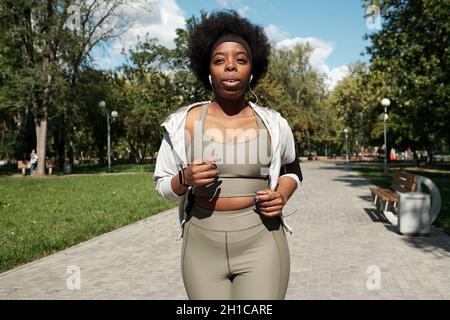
[238, 254]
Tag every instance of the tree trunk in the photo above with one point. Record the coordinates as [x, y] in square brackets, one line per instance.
[416, 158]
[59, 146]
[41, 140]
[430, 157]
[133, 153]
[70, 153]
[21, 121]
[41, 118]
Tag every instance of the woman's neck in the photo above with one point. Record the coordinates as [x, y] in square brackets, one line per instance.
[231, 107]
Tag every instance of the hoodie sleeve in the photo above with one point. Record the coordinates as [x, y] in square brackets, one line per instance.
[288, 147]
[165, 168]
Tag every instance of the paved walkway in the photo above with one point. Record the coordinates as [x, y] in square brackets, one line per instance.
[337, 240]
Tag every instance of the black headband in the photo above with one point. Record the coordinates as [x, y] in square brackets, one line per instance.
[230, 37]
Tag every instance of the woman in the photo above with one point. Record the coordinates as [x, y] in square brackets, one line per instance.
[234, 166]
[33, 162]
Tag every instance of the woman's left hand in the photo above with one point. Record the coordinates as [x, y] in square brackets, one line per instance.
[269, 203]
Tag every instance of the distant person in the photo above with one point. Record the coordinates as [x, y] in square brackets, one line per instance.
[33, 162]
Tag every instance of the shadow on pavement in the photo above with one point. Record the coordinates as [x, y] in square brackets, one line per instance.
[367, 198]
[437, 242]
[375, 216]
[354, 181]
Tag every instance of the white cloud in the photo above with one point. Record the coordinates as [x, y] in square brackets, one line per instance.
[234, 4]
[223, 3]
[275, 34]
[336, 75]
[158, 18]
[243, 10]
[321, 50]
[161, 22]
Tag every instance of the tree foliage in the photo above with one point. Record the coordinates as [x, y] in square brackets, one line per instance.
[410, 58]
[47, 74]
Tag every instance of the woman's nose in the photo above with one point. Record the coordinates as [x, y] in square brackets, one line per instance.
[230, 66]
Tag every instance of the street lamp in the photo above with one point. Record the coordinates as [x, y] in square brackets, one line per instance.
[114, 115]
[346, 144]
[385, 103]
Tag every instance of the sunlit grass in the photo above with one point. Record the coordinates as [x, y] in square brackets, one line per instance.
[39, 216]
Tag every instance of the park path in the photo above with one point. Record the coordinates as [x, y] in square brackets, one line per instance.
[337, 239]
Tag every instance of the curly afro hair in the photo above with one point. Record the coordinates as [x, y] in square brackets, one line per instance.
[205, 34]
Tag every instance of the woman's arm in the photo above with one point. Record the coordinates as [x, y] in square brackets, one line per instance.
[177, 187]
[286, 187]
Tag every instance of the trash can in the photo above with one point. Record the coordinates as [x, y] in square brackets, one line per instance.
[67, 168]
[414, 213]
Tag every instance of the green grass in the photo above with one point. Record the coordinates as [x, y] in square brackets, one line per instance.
[119, 168]
[8, 170]
[440, 177]
[40, 216]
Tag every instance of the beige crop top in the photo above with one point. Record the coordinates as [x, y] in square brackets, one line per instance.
[243, 166]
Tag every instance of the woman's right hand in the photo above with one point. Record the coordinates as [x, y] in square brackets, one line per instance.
[201, 172]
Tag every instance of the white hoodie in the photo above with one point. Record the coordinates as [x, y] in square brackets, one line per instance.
[172, 155]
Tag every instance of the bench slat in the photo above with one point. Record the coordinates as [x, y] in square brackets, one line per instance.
[404, 182]
[385, 194]
[403, 188]
[22, 165]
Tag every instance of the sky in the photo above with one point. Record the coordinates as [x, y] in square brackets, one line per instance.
[333, 28]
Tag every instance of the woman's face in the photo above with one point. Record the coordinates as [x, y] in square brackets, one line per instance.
[230, 70]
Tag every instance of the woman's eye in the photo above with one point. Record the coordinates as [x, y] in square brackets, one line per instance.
[218, 61]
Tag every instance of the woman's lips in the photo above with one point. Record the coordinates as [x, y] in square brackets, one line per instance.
[231, 83]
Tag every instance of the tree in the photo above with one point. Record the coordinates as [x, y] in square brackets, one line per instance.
[297, 91]
[351, 101]
[410, 56]
[51, 51]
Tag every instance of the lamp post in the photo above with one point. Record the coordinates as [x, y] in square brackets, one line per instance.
[361, 135]
[114, 114]
[385, 103]
[346, 144]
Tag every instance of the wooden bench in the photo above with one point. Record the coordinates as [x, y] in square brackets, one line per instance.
[23, 165]
[402, 182]
[50, 165]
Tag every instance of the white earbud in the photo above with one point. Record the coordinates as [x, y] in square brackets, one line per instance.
[251, 78]
[210, 81]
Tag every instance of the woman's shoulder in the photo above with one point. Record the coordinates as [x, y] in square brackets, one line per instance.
[179, 114]
[193, 107]
[193, 114]
[267, 110]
